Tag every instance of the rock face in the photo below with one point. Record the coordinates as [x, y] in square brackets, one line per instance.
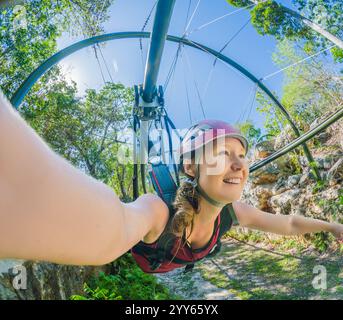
[29, 280]
[287, 185]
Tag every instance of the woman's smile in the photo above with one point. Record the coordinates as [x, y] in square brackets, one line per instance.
[232, 184]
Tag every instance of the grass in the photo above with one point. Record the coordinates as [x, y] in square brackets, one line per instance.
[319, 242]
[258, 275]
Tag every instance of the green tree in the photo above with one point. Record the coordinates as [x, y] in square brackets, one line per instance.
[89, 16]
[250, 132]
[274, 121]
[310, 90]
[51, 106]
[324, 16]
[86, 131]
[29, 33]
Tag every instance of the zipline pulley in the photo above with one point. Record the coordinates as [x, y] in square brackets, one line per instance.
[149, 110]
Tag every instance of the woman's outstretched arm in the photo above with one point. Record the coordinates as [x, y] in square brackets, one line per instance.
[50, 210]
[254, 218]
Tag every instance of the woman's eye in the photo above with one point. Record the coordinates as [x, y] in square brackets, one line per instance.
[227, 153]
[224, 153]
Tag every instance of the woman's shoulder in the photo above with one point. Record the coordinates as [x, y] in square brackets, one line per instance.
[155, 202]
[160, 214]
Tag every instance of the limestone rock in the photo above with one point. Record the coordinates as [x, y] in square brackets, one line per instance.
[336, 171]
[282, 203]
[264, 149]
[259, 197]
[280, 186]
[323, 137]
[305, 179]
[285, 137]
[269, 174]
[44, 281]
[293, 180]
[284, 165]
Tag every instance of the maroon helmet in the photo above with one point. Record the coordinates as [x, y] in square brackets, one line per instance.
[206, 131]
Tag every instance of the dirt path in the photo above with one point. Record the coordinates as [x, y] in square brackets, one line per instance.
[192, 285]
[242, 272]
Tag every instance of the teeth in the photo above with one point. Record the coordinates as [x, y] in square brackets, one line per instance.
[236, 181]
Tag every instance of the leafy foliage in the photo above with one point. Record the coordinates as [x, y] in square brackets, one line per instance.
[129, 283]
[250, 132]
[88, 131]
[271, 18]
[332, 207]
[275, 121]
[84, 131]
[29, 36]
[320, 87]
[309, 91]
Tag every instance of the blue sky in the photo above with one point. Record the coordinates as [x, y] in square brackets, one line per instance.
[229, 95]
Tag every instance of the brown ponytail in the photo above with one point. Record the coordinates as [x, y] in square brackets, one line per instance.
[186, 203]
[186, 206]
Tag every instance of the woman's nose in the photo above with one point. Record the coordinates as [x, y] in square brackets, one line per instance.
[236, 164]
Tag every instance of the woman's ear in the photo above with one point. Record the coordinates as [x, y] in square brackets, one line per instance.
[189, 169]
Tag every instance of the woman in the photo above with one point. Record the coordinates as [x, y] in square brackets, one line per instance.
[213, 157]
[51, 211]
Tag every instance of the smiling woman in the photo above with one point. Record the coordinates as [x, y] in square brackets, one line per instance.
[51, 211]
[213, 159]
[223, 149]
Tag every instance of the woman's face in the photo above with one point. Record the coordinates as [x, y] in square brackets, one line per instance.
[223, 161]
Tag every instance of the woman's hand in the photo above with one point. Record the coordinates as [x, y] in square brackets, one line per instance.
[337, 231]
